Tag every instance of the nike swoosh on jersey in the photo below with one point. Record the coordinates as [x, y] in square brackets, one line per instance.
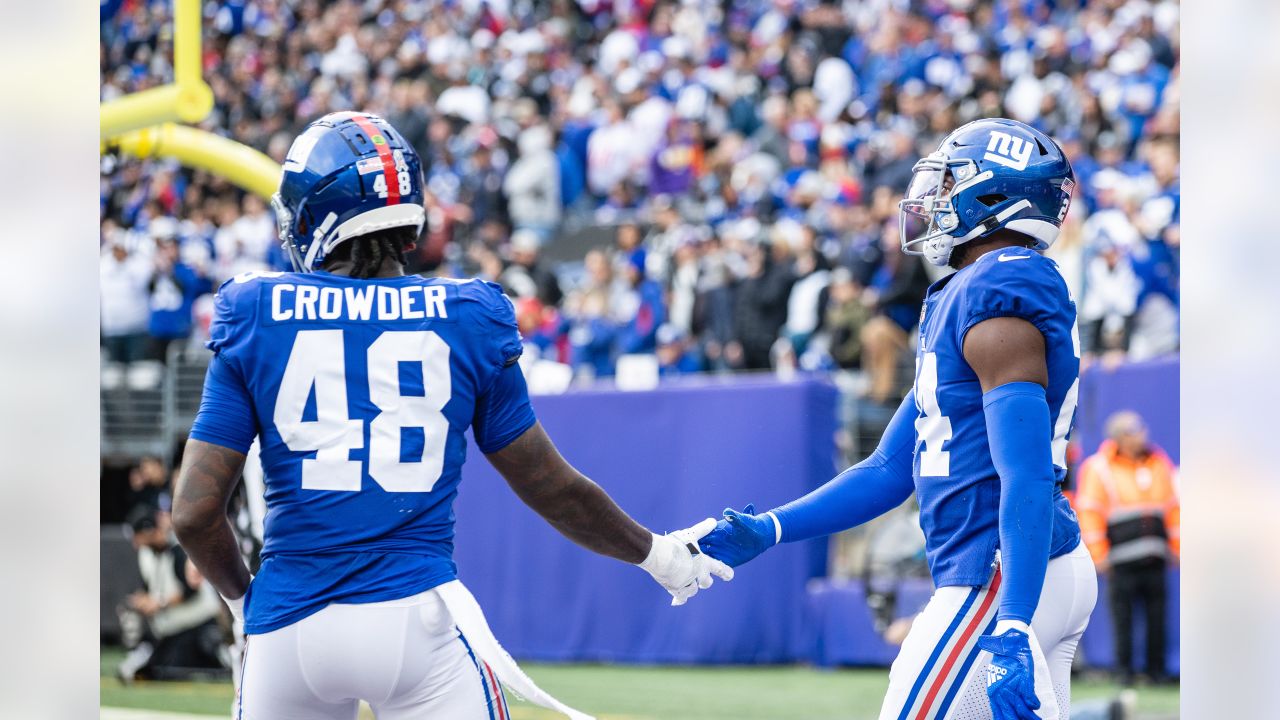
[1007, 258]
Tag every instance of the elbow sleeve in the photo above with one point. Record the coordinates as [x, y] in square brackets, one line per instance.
[1019, 433]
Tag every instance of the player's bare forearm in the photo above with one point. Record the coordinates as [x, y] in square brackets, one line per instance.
[580, 509]
[209, 474]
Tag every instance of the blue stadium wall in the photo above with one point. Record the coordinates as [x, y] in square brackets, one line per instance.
[681, 453]
[670, 457]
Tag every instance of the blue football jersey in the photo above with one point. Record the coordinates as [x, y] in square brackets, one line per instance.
[360, 392]
[956, 482]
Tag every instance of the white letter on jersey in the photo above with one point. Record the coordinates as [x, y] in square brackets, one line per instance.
[330, 303]
[278, 310]
[305, 302]
[435, 301]
[406, 304]
[934, 428]
[359, 302]
[388, 304]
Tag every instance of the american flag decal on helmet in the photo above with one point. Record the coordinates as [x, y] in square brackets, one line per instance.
[389, 180]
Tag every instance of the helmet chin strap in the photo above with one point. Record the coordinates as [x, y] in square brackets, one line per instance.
[941, 257]
[317, 240]
[995, 221]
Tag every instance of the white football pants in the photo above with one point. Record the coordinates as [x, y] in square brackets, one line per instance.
[405, 657]
[941, 675]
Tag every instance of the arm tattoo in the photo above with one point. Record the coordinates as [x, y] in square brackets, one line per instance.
[570, 502]
[209, 474]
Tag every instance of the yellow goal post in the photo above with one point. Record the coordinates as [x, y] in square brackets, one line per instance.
[144, 124]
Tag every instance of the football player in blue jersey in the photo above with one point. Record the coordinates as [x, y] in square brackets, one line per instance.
[358, 383]
[981, 439]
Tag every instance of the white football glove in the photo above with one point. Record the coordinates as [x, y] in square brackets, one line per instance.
[679, 566]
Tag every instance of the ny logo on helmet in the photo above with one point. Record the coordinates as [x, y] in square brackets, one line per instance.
[1012, 152]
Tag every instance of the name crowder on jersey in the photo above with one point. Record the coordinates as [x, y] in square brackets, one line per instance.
[378, 303]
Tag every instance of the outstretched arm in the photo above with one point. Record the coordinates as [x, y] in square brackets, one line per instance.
[577, 507]
[865, 491]
[564, 497]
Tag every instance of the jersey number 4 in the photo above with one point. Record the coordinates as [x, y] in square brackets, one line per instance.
[933, 428]
[317, 361]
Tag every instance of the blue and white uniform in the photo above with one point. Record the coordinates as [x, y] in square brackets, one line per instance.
[948, 446]
[937, 674]
[360, 392]
[956, 481]
[985, 466]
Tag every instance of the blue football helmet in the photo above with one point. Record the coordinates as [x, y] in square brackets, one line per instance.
[986, 175]
[348, 174]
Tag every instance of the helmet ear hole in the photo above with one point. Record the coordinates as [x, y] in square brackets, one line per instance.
[991, 200]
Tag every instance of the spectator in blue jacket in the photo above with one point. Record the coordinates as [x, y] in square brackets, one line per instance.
[676, 355]
[173, 289]
[639, 333]
[590, 312]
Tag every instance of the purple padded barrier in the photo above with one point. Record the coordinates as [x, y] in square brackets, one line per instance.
[670, 457]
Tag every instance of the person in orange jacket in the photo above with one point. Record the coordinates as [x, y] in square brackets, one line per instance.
[1127, 502]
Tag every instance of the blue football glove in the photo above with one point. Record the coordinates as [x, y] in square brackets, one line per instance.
[1011, 685]
[740, 536]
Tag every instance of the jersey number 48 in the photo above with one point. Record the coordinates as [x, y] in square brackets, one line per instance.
[317, 360]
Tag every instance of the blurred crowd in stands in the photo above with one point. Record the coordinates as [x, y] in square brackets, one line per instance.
[711, 182]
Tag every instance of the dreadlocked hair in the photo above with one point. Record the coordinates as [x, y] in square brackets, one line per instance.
[368, 252]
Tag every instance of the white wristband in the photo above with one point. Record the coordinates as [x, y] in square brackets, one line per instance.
[1003, 625]
[777, 528]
